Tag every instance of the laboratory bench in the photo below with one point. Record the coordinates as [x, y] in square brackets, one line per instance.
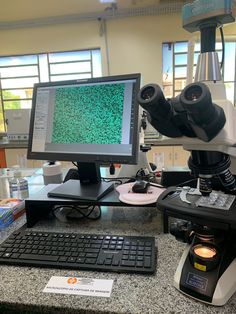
[4, 143]
[21, 288]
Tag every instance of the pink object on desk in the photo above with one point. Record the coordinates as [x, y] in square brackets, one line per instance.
[129, 197]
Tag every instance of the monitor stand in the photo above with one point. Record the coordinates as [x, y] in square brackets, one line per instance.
[88, 187]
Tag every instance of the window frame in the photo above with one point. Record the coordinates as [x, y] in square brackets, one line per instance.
[172, 84]
[40, 75]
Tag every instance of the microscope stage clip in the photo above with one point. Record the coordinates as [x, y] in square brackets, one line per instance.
[187, 190]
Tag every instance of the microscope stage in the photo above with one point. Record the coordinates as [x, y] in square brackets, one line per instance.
[170, 202]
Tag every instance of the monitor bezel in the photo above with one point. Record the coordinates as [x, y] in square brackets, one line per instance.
[77, 157]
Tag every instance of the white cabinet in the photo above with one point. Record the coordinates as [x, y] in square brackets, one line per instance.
[162, 156]
[168, 156]
[18, 156]
[180, 156]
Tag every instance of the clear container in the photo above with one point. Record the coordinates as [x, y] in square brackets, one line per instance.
[18, 186]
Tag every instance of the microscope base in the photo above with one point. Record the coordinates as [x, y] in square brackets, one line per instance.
[224, 289]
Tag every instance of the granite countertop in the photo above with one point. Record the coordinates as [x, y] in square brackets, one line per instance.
[21, 288]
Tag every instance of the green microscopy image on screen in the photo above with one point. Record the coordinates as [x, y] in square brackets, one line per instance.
[88, 114]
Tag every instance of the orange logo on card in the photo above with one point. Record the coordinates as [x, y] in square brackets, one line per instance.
[71, 280]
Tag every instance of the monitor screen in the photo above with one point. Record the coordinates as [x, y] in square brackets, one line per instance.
[91, 120]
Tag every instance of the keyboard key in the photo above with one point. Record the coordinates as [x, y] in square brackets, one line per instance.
[100, 261]
[115, 262]
[147, 262]
[90, 260]
[39, 257]
[6, 255]
[90, 250]
[139, 264]
[91, 255]
[127, 263]
[96, 246]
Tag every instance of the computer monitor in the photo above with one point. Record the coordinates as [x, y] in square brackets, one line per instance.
[91, 122]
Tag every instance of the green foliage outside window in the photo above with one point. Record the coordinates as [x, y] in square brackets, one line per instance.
[2, 128]
[13, 104]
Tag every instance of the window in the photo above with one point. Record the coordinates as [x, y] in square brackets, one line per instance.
[18, 74]
[175, 67]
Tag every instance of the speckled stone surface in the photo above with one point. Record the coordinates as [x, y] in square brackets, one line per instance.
[21, 288]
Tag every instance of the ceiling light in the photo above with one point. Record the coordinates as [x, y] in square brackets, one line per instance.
[107, 1]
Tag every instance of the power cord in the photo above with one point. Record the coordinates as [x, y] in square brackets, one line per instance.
[185, 182]
[223, 47]
[144, 174]
[63, 213]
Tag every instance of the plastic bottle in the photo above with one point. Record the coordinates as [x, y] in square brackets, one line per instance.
[18, 186]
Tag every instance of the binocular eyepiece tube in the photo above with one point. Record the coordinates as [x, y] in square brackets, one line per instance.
[191, 114]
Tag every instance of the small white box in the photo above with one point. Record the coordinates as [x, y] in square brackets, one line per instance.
[17, 122]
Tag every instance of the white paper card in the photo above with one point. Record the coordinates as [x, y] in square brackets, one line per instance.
[79, 286]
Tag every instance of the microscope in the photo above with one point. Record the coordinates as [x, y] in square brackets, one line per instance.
[203, 121]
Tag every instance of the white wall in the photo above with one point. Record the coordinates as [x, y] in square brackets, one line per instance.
[135, 43]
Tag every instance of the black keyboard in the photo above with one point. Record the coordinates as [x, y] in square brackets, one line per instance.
[80, 251]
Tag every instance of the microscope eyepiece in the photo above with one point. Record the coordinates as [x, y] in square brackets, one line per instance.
[147, 93]
[159, 109]
[204, 117]
[197, 97]
[193, 93]
[152, 99]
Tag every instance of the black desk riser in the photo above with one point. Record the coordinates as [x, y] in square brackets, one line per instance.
[39, 205]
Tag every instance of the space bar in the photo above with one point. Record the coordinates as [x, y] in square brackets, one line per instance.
[39, 257]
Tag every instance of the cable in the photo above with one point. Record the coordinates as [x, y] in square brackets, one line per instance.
[183, 183]
[75, 164]
[118, 179]
[113, 180]
[142, 174]
[223, 46]
[79, 209]
[157, 185]
[112, 169]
